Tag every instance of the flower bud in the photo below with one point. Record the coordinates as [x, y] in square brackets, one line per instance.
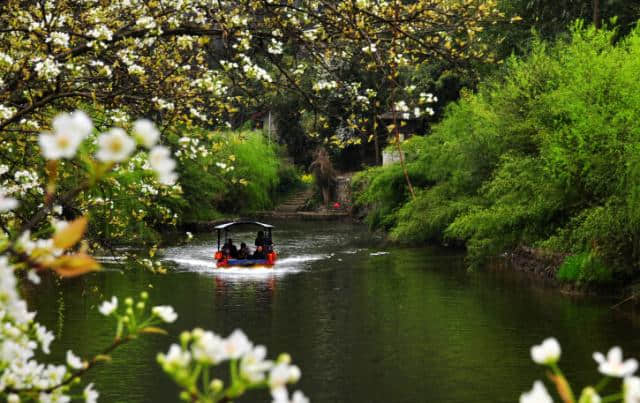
[140, 305]
[128, 301]
[284, 358]
[144, 295]
[217, 385]
[129, 311]
[185, 337]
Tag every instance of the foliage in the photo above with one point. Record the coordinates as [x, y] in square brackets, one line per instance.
[583, 268]
[544, 156]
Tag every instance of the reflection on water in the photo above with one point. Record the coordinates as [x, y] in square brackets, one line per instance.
[366, 322]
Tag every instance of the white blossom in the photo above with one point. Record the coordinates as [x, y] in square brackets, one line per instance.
[58, 39]
[74, 361]
[44, 336]
[370, 48]
[283, 373]
[253, 365]
[275, 47]
[208, 348]
[162, 163]
[165, 313]
[33, 276]
[69, 130]
[237, 344]
[145, 132]
[101, 32]
[7, 203]
[281, 395]
[115, 146]
[546, 353]
[538, 394]
[47, 69]
[175, 357]
[108, 307]
[90, 395]
[613, 365]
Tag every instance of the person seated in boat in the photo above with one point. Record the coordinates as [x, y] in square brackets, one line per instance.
[260, 239]
[259, 253]
[263, 241]
[232, 251]
[244, 252]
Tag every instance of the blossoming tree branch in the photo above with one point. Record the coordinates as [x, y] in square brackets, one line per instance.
[23, 378]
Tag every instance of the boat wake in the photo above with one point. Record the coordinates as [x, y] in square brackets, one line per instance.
[284, 266]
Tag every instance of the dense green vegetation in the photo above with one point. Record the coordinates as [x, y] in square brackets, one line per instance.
[545, 154]
[219, 173]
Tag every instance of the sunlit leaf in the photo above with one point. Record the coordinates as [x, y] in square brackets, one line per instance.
[71, 234]
[75, 265]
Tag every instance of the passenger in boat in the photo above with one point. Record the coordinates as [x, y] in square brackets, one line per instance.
[244, 251]
[260, 240]
[259, 253]
[263, 241]
[232, 251]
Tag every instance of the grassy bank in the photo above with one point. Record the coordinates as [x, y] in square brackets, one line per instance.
[547, 155]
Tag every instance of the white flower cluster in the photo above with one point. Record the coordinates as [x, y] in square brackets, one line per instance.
[427, 97]
[69, 130]
[114, 145]
[42, 251]
[163, 104]
[6, 112]
[205, 348]
[325, 85]
[211, 83]
[370, 49]
[20, 338]
[612, 366]
[7, 203]
[275, 47]
[254, 71]
[47, 69]
[101, 32]
[23, 182]
[101, 68]
[58, 39]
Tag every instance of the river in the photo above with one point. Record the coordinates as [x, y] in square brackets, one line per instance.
[365, 321]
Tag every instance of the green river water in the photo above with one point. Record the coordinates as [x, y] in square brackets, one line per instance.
[366, 322]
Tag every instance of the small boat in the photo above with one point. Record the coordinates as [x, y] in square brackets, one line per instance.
[223, 260]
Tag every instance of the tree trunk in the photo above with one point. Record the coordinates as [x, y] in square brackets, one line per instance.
[596, 14]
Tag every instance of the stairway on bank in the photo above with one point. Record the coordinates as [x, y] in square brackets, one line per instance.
[295, 201]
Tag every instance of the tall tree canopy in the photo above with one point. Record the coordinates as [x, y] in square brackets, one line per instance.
[203, 60]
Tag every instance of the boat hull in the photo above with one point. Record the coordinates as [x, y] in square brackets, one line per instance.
[248, 263]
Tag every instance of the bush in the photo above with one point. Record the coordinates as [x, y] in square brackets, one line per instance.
[546, 155]
[584, 268]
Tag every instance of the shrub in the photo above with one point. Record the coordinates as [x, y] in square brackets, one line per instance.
[547, 155]
[584, 268]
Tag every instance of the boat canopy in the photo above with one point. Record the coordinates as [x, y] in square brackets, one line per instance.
[230, 224]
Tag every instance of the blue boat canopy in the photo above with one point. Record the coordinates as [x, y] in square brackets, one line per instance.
[227, 225]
